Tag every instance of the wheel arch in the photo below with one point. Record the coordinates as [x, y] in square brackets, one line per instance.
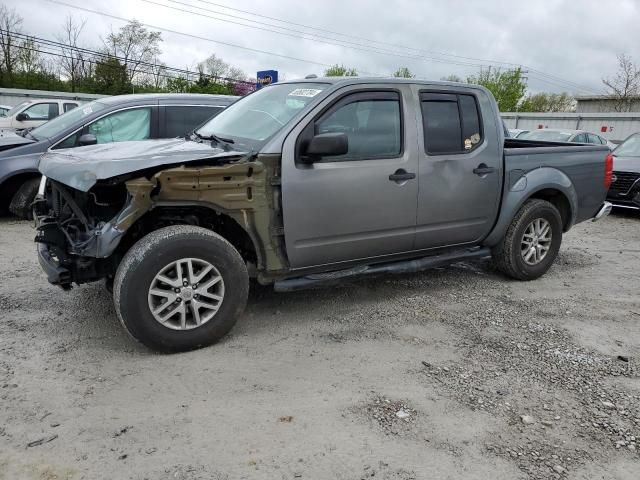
[10, 184]
[545, 183]
[197, 213]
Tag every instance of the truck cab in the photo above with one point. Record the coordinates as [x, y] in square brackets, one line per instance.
[33, 113]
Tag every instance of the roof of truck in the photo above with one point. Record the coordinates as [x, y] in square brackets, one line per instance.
[355, 80]
[190, 97]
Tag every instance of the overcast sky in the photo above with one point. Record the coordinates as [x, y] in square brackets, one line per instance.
[574, 42]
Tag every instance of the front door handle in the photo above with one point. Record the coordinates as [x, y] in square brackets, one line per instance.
[401, 175]
[483, 169]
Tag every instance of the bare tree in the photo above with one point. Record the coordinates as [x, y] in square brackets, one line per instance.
[133, 45]
[10, 23]
[237, 74]
[29, 57]
[158, 73]
[216, 67]
[73, 62]
[625, 85]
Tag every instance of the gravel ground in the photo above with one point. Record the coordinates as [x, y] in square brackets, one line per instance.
[452, 373]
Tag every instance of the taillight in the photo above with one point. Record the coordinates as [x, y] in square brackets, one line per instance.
[608, 171]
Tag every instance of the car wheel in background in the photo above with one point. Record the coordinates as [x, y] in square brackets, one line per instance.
[23, 198]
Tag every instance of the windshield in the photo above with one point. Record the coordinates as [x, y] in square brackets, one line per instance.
[546, 135]
[629, 148]
[66, 120]
[16, 109]
[257, 117]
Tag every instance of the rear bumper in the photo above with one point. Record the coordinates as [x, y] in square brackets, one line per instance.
[605, 210]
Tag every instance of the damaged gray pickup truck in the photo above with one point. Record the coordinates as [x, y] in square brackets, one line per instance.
[304, 183]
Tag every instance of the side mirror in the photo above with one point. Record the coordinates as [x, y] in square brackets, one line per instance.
[21, 117]
[87, 139]
[327, 145]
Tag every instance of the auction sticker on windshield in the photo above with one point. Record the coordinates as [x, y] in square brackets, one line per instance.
[304, 92]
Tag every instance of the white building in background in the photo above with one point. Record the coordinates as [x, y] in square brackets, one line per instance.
[612, 126]
[603, 104]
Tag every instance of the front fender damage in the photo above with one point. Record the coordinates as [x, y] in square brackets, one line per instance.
[245, 191]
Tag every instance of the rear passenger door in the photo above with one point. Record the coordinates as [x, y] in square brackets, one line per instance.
[179, 120]
[460, 168]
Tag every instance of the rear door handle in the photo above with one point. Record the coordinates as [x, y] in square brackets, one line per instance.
[401, 175]
[483, 169]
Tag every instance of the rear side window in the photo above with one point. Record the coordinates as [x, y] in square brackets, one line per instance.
[69, 106]
[582, 138]
[594, 139]
[180, 120]
[451, 123]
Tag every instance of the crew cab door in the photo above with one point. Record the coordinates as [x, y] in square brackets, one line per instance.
[361, 204]
[460, 167]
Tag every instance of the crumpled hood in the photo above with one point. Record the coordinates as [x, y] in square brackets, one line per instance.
[626, 164]
[9, 139]
[82, 167]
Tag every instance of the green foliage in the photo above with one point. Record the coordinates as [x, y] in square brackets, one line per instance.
[452, 78]
[403, 72]
[111, 77]
[508, 87]
[340, 71]
[547, 102]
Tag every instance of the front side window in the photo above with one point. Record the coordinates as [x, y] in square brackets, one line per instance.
[582, 138]
[372, 123]
[255, 118]
[180, 120]
[41, 111]
[127, 125]
[451, 123]
[69, 106]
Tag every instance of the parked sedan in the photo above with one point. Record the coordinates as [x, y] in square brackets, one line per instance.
[625, 187]
[110, 119]
[565, 135]
[517, 133]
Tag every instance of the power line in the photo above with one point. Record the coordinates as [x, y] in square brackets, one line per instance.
[303, 35]
[539, 73]
[198, 37]
[541, 76]
[106, 56]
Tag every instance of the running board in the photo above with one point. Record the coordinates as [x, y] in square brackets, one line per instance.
[404, 266]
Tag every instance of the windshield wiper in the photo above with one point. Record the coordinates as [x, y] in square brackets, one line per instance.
[225, 143]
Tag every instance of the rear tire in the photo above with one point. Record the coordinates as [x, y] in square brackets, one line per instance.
[161, 273]
[524, 253]
[23, 198]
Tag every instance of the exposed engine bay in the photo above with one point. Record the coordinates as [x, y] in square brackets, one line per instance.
[82, 236]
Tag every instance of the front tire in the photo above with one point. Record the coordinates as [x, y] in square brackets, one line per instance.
[180, 288]
[532, 241]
